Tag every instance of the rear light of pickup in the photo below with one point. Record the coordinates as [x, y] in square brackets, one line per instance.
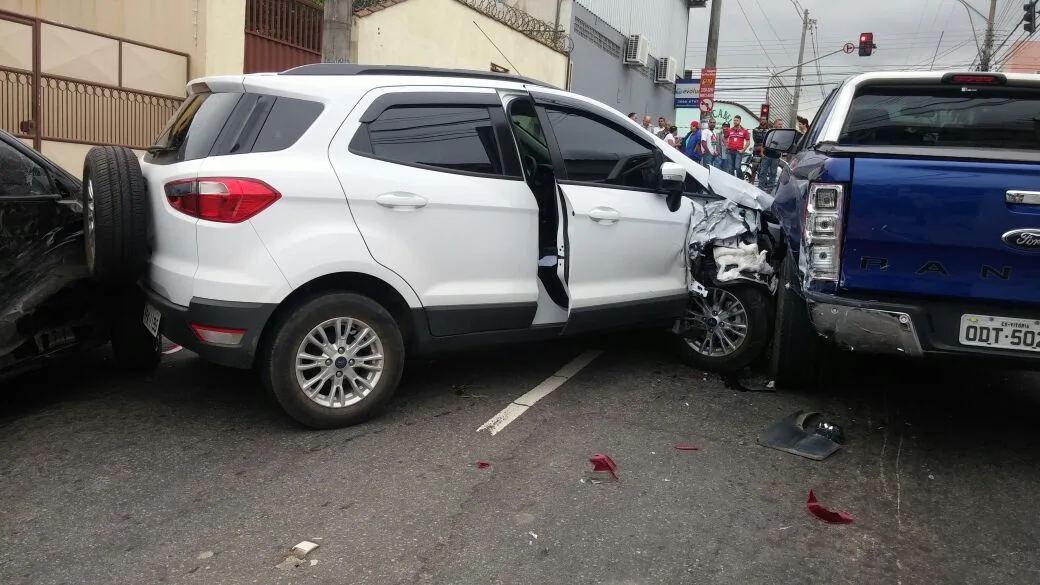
[821, 231]
[223, 200]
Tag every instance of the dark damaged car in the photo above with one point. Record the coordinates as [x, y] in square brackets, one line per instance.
[50, 305]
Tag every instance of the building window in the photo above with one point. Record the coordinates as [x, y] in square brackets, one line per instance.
[452, 138]
[498, 68]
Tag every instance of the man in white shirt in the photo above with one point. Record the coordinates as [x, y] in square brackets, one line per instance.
[710, 146]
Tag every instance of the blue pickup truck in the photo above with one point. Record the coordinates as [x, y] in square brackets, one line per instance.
[909, 223]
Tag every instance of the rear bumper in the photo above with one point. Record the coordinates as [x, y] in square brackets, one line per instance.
[177, 320]
[910, 327]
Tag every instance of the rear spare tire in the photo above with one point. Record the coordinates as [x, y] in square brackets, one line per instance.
[334, 360]
[796, 360]
[727, 330]
[115, 199]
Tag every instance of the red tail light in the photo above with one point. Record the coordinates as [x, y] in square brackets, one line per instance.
[975, 79]
[224, 200]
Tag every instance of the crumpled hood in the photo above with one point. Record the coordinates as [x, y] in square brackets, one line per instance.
[722, 184]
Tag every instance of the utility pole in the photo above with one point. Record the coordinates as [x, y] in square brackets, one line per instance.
[987, 46]
[712, 58]
[335, 31]
[806, 23]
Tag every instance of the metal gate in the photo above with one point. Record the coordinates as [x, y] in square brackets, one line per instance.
[127, 102]
[281, 34]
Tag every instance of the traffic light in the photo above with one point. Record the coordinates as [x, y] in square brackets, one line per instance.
[764, 112]
[866, 44]
[1029, 20]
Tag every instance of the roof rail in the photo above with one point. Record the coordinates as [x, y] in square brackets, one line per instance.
[354, 69]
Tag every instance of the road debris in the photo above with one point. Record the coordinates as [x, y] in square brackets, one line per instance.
[603, 465]
[483, 464]
[749, 381]
[684, 447]
[816, 509]
[304, 548]
[805, 434]
[205, 555]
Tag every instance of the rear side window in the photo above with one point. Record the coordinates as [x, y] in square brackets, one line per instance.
[216, 124]
[456, 138]
[191, 132]
[944, 116]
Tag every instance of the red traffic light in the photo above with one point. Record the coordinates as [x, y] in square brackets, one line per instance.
[866, 44]
[764, 112]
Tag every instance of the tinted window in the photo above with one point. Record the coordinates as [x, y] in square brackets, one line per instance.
[288, 120]
[191, 132]
[944, 116]
[596, 152]
[20, 176]
[448, 137]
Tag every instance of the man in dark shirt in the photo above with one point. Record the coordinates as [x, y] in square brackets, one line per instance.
[758, 135]
[770, 161]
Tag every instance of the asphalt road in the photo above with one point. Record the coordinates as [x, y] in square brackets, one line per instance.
[192, 477]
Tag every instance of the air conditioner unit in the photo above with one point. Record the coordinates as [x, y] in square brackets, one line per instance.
[637, 50]
[665, 70]
[687, 74]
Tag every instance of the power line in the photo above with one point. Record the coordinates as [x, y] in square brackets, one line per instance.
[755, 34]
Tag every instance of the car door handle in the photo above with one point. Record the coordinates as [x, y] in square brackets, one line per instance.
[604, 215]
[1023, 197]
[401, 201]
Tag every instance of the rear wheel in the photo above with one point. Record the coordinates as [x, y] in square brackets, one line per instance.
[727, 330]
[334, 361]
[796, 359]
[114, 215]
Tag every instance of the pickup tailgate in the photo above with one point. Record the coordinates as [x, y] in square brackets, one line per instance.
[937, 227]
[943, 174]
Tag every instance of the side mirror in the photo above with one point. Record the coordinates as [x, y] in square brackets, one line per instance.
[781, 139]
[673, 182]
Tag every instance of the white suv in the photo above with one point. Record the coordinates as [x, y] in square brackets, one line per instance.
[322, 223]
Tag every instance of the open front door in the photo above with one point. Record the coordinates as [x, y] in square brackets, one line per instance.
[554, 297]
[624, 261]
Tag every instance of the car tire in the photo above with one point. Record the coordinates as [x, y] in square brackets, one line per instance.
[752, 302]
[134, 348]
[115, 199]
[796, 360]
[330, 407]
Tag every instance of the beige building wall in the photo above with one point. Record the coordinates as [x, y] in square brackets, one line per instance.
[547, 10]
[1025, 58]
[211, 32]
[441, 33]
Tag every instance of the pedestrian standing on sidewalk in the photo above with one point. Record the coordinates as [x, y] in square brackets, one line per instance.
[726, 158]
[770, 162]
[691, 144]
[710, 146]
[738, 140]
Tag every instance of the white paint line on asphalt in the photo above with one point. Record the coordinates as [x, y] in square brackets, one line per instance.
[519, 406]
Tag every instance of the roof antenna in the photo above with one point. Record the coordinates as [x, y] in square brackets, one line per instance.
[496, 48]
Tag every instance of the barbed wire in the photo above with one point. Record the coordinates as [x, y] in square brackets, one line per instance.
[536, 29]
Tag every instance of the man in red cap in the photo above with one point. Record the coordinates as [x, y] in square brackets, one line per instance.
[691, 145]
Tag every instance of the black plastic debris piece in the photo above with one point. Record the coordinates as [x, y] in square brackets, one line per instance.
[805, 434]
[749, 381]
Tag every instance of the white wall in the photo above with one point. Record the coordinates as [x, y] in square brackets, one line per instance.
[664, 22]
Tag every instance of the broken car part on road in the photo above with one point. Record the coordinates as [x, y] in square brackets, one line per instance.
[805, 434]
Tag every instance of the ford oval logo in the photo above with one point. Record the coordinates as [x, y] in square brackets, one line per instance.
[1027, 240]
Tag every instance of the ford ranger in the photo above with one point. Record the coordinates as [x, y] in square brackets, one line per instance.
[910, 223]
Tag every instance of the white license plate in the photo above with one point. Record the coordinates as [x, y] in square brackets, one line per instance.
[152, 317]
[1000, 332]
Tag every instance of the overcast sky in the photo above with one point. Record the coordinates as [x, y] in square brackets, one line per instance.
[907, 33]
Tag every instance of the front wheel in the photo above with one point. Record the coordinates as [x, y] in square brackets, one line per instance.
[727, 330]
[334, 361]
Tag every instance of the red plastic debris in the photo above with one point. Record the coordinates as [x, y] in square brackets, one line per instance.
[483, 464]
[824, 514]
[601, 462]
[683, 447]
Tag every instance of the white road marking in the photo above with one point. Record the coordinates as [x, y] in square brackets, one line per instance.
[519, 406]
